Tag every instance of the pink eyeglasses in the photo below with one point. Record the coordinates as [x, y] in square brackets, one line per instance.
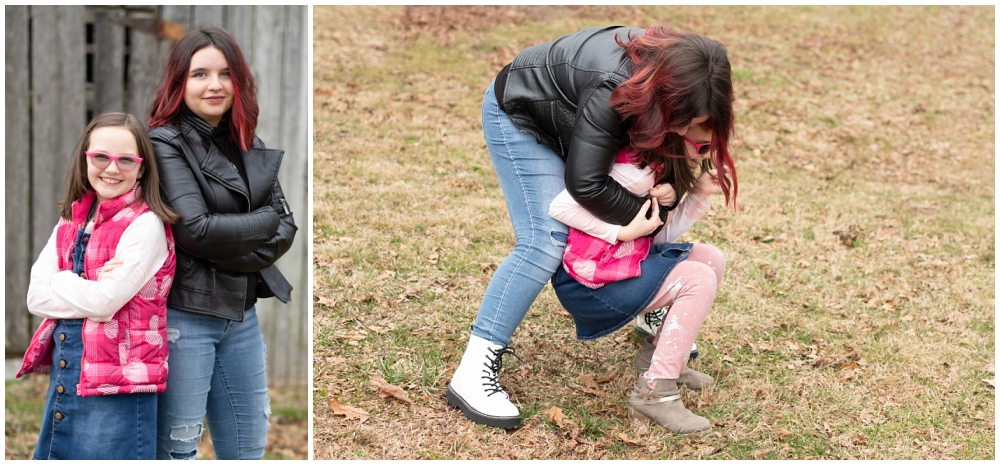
[103, 160]
[701, 148]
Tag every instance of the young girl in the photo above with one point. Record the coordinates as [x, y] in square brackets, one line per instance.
[612, 273]
[101, 283]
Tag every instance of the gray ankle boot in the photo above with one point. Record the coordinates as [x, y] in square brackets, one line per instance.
[664, 406]
[691, 379]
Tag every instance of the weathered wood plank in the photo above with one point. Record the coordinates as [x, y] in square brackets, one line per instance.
[239, 25]
[58, 113]
[295, 175]
[146, 63]
[109, 61]
[207, 15]
[17, 174]
[268, 29]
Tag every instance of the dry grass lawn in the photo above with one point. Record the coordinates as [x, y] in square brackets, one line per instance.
[857, 318]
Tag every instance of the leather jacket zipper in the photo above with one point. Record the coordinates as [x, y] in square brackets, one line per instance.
[555, 127]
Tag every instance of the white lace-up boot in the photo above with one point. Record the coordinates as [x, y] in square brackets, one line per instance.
[475, 386]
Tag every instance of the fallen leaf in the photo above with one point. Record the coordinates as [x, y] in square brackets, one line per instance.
[350, 413]
[326, 301]
[557, 417]
[782, 433]
[388, 390]
[989, 368]
[433, 258]
[989, 382]
[596, 392]
[628, 441]
[614, 376]
[588, 381]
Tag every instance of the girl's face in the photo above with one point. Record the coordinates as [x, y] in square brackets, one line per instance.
[700, 135]
[209, 88]
[110, 182]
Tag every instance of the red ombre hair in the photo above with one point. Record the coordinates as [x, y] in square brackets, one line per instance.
[170, 94]
[677, 77]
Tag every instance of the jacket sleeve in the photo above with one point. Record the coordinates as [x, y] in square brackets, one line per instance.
[597, 135]
[271, 250]
[204, 234]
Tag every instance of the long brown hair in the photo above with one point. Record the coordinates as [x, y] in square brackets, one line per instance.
[77, 182]
[676, 78]
[170, 94]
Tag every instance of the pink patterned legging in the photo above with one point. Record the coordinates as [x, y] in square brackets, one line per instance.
[689, 291]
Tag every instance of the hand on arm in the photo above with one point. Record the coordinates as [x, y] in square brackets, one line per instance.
[271, 250]
[664, 193]
[640, 225]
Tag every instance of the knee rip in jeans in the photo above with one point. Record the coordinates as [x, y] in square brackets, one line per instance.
[558, 238]
[187, 435]
[173, 334]
[267, 408]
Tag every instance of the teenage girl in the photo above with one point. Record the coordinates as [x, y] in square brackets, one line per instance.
[555, 118]
[234, 224]
[101, 283]
[612, 273]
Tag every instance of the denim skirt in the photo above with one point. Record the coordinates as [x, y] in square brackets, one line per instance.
[115, 427]
[602, 311]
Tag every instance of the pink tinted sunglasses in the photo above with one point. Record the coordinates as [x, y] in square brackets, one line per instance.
[701, 148]
[103, 160]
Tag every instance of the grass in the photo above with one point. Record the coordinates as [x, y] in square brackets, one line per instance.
[25, 402]
[857, 317]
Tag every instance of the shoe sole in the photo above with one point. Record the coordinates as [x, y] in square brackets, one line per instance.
[455, 400]
[637, 415]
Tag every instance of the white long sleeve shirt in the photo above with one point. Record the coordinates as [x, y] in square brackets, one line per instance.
[64, 295]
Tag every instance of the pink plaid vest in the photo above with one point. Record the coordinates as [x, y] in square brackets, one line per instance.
[594, 262]
[127, 354]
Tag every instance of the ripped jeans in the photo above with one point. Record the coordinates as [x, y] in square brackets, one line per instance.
[217, 370]
[531, 175]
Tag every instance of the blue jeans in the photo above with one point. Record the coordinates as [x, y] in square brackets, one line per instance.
[218, 371]
[114, 427]
[531, 175]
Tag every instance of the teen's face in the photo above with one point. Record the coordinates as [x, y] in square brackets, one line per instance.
[209, 88]
[683, 130]
[701, 135]
[110, 182]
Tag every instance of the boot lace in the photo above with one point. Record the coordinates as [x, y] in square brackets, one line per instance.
[491, 375]
[654, 319]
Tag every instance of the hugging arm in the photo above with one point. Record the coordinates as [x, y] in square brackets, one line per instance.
[274, 247]
[210, 236]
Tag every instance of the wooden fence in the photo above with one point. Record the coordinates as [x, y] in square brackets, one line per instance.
[65, 64]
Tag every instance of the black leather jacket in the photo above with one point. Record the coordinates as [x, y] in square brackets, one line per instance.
[228, 237]
[560, 91]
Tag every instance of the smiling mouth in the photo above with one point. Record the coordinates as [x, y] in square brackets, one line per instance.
[111, 181]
